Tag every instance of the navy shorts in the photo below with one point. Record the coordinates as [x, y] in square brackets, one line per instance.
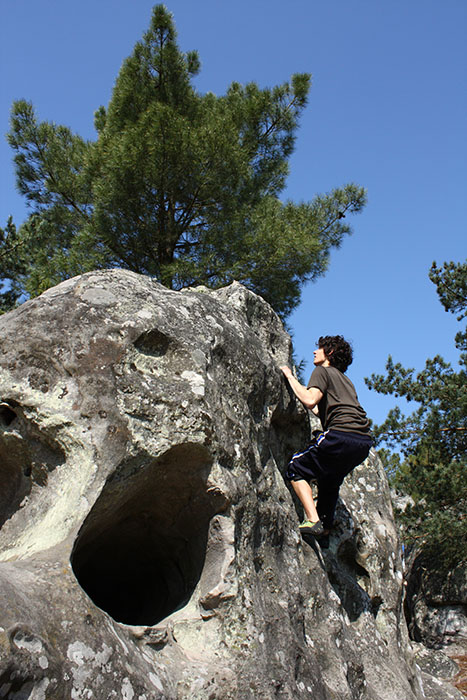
[327, 460]
[332, 453]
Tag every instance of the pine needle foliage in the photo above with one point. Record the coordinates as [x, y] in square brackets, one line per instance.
[431, 461]
[178, 185]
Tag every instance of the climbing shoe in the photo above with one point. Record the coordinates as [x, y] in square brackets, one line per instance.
[310, 528]
[323, 541]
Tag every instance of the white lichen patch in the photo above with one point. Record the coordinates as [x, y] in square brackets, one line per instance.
[43, 662]
[79, 653]
[127, 690]
[196, 381]
[39, 690]
[85, 661]
[144, 313]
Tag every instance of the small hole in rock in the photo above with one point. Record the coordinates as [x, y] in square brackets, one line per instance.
[7, 415]
[153, 342]
[375, 604]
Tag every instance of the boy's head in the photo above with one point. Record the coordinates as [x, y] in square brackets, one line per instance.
[337, 350]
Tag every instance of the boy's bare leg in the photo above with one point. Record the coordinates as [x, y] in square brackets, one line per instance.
[303, 490]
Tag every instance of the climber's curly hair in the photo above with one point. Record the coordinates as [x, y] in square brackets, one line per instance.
[338, 351]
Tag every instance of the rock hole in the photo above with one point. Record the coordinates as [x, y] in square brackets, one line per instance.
[153, 343]
[7, 415]
[375, 604]
[141, 550]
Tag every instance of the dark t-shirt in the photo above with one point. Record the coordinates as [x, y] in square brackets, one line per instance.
[339, 408]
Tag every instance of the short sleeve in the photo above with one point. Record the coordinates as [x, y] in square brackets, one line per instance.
[319, 379]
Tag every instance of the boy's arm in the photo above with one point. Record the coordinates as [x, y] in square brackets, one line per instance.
[309, 397]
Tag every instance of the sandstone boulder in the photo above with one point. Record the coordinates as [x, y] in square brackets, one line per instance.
[148, 542]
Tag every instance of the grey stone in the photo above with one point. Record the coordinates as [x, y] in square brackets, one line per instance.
[437, 606]
[434, 689]
[148, 541]
[435, 663]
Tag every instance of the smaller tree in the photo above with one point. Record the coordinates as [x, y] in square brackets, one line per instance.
[430, 461]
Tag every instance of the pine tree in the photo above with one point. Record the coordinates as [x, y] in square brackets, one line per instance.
[178, 185]
[431, 463]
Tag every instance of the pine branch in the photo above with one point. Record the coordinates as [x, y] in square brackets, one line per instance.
[4, 253]
[53, 179]
[276, 121]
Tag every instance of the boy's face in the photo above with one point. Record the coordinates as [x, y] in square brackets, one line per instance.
[319, 358]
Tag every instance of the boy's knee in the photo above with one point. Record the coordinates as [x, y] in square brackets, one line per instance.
[292, 475]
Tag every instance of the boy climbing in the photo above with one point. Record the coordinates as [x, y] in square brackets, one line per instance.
[345, 442]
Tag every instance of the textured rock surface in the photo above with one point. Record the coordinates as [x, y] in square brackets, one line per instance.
[149, 545]
[437, 607]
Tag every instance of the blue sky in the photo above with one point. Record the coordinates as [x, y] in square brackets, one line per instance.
[387, 110]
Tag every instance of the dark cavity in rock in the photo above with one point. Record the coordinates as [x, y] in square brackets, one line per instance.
[7, 415]
[153, 343]
[141, 550]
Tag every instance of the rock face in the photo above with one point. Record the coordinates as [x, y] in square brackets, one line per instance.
[437, 607]
[148, 542]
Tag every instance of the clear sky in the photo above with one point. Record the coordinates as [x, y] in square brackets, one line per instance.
[387, 110]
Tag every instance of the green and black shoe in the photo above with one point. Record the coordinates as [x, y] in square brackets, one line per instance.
[308, 527]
